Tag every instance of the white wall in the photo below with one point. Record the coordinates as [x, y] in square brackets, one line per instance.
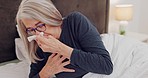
[140, 17]
[143, 25]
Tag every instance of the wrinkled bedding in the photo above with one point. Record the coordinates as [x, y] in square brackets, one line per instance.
[129, 56]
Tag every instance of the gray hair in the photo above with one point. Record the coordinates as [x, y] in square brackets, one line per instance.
[42, 10]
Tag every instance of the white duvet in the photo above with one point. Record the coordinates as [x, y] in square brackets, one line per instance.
[130, 59]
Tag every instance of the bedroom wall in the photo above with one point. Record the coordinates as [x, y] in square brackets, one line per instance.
[143, 16]
[138, 24]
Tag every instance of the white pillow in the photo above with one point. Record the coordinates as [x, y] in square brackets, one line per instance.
[21, 52]
[18, 30]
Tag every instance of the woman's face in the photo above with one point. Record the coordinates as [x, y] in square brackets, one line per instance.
[30, 24]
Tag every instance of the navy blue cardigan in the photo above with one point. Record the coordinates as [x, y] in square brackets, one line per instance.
[89, 54]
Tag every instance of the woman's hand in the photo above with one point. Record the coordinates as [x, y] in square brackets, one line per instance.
[53, 45]
[54, 65]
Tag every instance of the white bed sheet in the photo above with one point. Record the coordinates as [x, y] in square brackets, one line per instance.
[129, 56]
[15, 70]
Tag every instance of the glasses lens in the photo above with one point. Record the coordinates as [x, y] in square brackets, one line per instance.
[30, 32]
[41, 28]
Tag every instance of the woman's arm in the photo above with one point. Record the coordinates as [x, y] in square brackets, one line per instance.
[93, 57]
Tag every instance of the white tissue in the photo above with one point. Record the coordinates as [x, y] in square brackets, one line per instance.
[31, 38]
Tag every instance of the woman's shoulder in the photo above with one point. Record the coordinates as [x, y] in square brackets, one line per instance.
[76, 15]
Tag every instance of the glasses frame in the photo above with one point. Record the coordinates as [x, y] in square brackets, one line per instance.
[29, 30]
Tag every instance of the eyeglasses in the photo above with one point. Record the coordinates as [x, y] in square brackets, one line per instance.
[39, 28]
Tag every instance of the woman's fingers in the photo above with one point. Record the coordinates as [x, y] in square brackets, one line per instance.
[61, 59]
[38, 40]
[52, 55]
[68, 70]
[41, 39]
[65, 63]
[50, 37]
[46, 36]
[45, 42]
[44, 47]
[57, 57]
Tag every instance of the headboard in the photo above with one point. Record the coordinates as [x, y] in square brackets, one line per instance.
[95, 10]
[8, 10]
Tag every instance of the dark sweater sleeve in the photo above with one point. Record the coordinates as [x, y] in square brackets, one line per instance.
[34, 72]
[36, 67]
[93, 57]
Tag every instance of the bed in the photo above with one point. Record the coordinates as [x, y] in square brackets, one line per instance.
[129, 56]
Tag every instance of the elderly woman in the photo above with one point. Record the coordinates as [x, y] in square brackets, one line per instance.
[69, 48]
